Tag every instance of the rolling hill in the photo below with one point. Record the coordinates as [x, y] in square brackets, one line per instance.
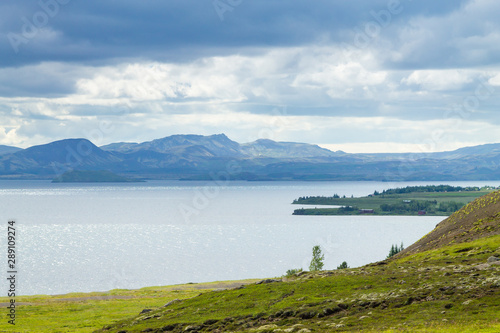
[8, 149]
[273, 149]
[57, 157]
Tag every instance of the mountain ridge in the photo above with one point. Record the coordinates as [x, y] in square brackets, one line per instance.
[197, 157]
[218, 144]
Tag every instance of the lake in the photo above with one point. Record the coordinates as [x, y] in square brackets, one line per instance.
[97, 237]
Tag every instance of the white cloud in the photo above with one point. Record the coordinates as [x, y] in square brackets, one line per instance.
[341, 80]
[238, 94]
[451, 79]
[149, 82]
[308, 76]
[495, 80]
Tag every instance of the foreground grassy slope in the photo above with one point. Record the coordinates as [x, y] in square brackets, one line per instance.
[449, 289]
[444, 283]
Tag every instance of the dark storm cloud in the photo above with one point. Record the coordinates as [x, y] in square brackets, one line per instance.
[181, 30]
[45, 80]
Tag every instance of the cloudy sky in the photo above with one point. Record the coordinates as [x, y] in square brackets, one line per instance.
[360, 76]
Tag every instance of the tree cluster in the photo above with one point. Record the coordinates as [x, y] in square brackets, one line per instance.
[395, 250]
[428, 188]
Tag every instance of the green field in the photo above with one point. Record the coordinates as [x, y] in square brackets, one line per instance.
[87, 312]
[433, 203]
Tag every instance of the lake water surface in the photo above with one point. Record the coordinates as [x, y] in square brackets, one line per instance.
[97, 237]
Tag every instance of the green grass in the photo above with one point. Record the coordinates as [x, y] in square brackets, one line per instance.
[87, 312]
[440, 290]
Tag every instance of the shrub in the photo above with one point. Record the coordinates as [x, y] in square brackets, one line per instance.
[293, 271]
[343, 265]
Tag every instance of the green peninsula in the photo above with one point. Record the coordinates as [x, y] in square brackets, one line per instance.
[431, 200]
[90, 176]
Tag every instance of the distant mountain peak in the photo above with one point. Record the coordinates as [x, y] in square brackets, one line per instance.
[217, 145]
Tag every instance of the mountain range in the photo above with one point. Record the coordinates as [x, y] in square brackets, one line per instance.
[197, 157]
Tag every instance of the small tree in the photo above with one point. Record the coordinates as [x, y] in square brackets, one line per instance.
[317, 260]
[343, 265]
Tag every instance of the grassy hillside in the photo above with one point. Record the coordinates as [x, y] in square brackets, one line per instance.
[446, 282]
[450, 289]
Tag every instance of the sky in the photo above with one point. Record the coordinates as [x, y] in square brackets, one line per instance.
[357, 76]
